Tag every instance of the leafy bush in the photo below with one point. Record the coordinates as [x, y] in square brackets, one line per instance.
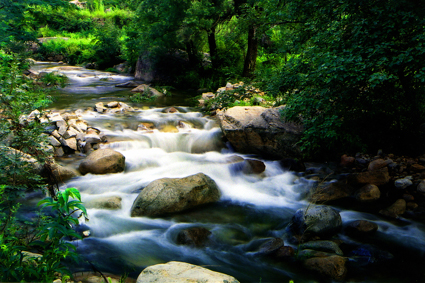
[22, 155]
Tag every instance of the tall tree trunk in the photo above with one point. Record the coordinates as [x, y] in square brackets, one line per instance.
[191, 52]
[251, 53]
[212, 44]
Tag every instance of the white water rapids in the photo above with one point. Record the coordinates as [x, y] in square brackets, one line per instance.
[252, 208]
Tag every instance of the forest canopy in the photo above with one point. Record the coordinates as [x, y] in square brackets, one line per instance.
[351, 71]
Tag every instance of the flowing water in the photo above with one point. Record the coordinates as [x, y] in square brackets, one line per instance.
[251, 210]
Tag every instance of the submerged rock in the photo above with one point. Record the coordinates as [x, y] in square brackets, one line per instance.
[360, 228]
[325, 246]
[395, 210]
[318, 220]
[110, 202]
[331, 267]
[181, 272]
[169, 195]
[195, 236]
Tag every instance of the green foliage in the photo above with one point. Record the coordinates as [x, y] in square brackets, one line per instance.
[21, 157]
[144, 96]
[49, 233]
[75, 50]
[54, 79]
[107, 45]
[358, 81]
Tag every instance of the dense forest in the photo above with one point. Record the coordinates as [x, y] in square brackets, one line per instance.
[351, 71]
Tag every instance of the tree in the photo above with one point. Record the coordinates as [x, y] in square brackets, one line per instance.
[12, 24]
[358, 81]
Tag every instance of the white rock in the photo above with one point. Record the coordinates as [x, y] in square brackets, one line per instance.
[402, 183]
[62, 130]
[54, 141]
[181, 272]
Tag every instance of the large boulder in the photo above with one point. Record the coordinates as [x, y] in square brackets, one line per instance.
[169, 195]
[103, 161]
[261, 131]
[181, 272]
[317, 220]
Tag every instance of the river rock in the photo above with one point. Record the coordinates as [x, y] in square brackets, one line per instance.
[181, 272]
[169, 195]
[271, 247]
[317, 220]
[195, 236]
[330, 267]
[71, 143]
[324, 246]
[378, 164]
[109, 202]
[376, 177]
[403, 183]
[347, 161]
[360, 228]
[150, 91]
[53, 141]
[285, 252]
[103, 161]
[396, 209]
[260, 131]
[100, 108]
[63, 173]
[248, 166]
[421, 187]
[332, 191]
[368, 193]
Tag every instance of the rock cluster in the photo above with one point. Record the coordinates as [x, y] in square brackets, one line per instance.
[394, 185]
[68, 132]
[113, 107]
[238, 92]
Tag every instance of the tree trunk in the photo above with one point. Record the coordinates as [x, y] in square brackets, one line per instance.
[191, 53]
[251, 53]
[212, 44]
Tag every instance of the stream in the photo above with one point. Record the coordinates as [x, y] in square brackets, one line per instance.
[252, 208]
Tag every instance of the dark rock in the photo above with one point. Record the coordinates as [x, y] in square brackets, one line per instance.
[368, 193]
[285, 252]
[396, 209]
[378, 164]
[318, 220]
[332, 191]
[376, 177]
[360, 228]
[292, 165]
[324, 246]
[330, 267]
[347, 161]
[195, 237]
[271, 247]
